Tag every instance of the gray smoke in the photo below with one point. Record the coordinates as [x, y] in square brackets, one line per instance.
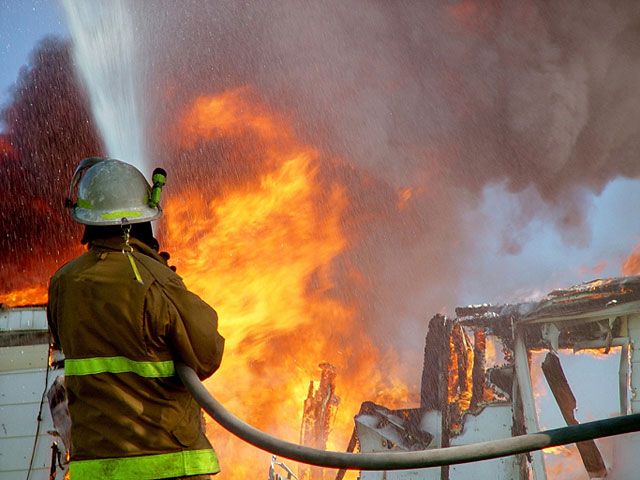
[442, 97]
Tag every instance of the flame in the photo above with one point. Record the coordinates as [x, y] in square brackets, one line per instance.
[404, 196]
[32, 295]
[631, 265]
[261, 254]
[598, 353]
[563, 462]
[454, 376]
[596, 269]
[460, 378]
[559, 450]
[26, 282]
[229, 115]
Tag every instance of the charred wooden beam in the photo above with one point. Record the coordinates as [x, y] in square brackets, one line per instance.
[443, 396]
[436, 362]
[518, 428]
[318, 413]
[478, 373]
[561, 390]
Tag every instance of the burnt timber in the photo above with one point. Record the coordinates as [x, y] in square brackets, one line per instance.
[476, 380]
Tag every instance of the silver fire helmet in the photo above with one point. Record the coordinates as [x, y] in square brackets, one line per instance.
[110, 192]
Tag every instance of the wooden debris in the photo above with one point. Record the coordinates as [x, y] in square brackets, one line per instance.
[319, 411]
[478, 373]
[561, 390]
[433, 391]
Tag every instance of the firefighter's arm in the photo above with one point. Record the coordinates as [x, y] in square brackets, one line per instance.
[192, 332]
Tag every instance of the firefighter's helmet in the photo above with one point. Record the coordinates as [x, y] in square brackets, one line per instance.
[110, 192]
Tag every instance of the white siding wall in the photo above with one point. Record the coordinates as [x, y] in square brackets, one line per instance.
[22, 382]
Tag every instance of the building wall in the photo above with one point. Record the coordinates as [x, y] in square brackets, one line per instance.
[626, 463]
[23, 369]
[492, 424]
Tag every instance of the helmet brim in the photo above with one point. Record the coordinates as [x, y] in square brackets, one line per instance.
[87, 216]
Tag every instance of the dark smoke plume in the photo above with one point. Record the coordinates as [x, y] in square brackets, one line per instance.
[48, 129]
[441, 97]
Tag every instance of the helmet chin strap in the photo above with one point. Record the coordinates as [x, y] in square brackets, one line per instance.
[126, 235]
[127, 250]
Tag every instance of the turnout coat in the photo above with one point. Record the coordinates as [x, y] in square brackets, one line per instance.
[131, 416]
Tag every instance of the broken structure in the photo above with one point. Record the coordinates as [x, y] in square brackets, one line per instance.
[476, 386]
[318, 413]
[476, 382]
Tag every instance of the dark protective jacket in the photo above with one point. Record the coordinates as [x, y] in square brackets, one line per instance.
[131, 416]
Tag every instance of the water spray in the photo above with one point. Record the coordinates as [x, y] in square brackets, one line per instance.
[107, 58]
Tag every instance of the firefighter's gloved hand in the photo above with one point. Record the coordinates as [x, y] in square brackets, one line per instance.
[166, 257]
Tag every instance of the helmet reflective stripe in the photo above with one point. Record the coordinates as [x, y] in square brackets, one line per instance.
[81, 202]
[118, 214]
[110, 192]
[96, 365]
[147, 467]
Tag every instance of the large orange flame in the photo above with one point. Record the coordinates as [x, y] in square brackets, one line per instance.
[32, 295]
[262, 255]
[631, 265]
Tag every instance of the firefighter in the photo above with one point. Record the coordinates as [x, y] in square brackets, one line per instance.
[122, 317]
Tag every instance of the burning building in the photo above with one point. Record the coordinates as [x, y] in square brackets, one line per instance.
[319, 203]
[477, 381]
[476, 386]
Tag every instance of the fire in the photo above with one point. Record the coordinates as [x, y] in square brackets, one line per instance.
[230, 115]
[33, 295]
[460, 378]
[596, 269]
[597, 353]
[26, 282]
[404, 196]
[631, 265]
[564, 462]
[261, 254]
[559, 450]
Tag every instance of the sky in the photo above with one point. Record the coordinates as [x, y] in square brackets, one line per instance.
[546, 261]
[22, 24]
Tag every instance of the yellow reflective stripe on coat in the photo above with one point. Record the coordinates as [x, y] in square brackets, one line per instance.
[147, 467]
[92, 366]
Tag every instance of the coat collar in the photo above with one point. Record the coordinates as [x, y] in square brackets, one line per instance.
[116, 244]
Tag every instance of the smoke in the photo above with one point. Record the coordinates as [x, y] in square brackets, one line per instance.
[441, 98]
[47, 128]
[477, 93]
[427, 103]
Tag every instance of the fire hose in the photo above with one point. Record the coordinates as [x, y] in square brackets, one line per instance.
[403, 460]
